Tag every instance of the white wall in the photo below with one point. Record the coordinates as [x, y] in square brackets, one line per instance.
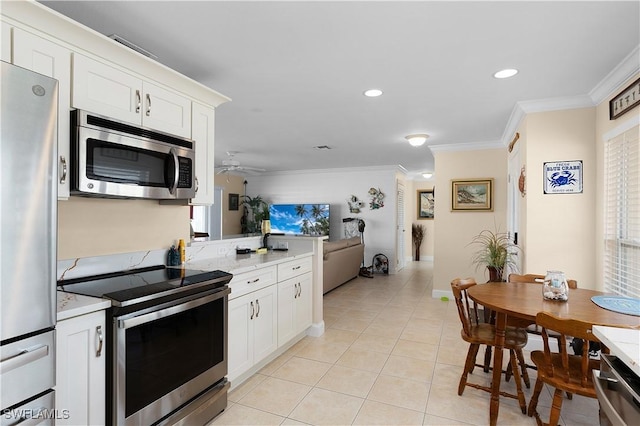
[559, 228]
[455, 230]
[336, 187]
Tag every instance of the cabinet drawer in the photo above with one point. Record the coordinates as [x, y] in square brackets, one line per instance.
[247, 282]
[294, 268]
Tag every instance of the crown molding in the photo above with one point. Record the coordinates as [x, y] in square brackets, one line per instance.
[609, 85]
[522, 108]
[618, 76]
[467, 146]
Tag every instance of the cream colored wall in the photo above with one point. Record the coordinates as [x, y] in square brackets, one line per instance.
[455, 230]
[603, 127]
[231, 184]
[427, 247]
[560, 227]
[96, 227]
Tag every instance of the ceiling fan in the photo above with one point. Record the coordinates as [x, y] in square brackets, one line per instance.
[232, 165]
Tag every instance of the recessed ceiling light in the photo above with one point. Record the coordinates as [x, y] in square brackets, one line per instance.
[427, 175]
[417, 139]
[506, 73]
[372, 93]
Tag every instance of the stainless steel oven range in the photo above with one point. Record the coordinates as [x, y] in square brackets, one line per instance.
[618, 392]
[168, 343]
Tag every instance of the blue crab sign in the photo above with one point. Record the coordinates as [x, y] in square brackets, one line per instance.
[563, 177]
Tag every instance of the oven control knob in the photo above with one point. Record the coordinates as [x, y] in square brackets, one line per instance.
[90, 186]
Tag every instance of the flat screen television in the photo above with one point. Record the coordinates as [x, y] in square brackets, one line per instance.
[299, 219]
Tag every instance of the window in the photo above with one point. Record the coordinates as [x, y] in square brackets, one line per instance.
[622, 214]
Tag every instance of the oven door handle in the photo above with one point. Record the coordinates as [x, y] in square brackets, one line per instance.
[162, 313]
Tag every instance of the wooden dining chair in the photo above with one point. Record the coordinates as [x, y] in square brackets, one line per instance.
[565, 372]
[477, 333]
[533, 328]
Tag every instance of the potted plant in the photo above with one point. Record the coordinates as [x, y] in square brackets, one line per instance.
[417, 234]
[255, 211]
[496, 252]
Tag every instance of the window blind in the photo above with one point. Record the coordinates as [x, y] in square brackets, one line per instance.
[622, 214]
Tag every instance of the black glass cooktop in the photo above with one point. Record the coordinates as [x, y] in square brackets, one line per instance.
[143, 284]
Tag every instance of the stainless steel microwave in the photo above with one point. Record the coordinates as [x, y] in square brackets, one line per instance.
[112, 158]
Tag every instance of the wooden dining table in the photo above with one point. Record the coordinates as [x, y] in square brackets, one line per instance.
[524, 301]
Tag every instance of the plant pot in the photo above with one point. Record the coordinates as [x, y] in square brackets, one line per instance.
[495, 275]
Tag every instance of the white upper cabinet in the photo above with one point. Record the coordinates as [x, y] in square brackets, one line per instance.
[5, 42]
[50, 59]
[203, 132]
[104, 90]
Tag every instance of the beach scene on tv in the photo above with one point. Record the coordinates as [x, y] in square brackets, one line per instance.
[299, 219]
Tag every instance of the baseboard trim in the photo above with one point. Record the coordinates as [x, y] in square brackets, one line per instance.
[437, 294]
[316, 329]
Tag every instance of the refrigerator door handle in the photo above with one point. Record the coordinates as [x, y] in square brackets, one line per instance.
[23, 358]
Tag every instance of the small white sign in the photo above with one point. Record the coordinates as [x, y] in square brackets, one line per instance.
[562, 177]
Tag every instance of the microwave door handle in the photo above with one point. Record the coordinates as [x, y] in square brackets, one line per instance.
[176, 171]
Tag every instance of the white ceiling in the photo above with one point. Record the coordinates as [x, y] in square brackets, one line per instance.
[296, 70]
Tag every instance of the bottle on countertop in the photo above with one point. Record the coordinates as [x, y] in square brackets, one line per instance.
[173, 257]
[181, 251]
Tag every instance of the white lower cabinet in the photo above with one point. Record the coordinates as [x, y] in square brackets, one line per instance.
[294, 307]
[80, 370]
[252, 329]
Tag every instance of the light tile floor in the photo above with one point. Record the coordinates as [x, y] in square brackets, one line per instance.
[390, 355]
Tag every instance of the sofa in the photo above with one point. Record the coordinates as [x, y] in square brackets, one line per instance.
[341, 261]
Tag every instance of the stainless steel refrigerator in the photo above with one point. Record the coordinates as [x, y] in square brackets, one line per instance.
[28, 214]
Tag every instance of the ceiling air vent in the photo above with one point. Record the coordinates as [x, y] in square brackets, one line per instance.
[322, 147]
[132, 46]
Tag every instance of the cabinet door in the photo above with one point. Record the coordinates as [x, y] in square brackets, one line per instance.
[52, 60]
[240, 344]
[287, 298]
[104, 90]
[265, 323]
[80, 369]
[5, 42]
[166, 111]
[202, 132]
[304, 306]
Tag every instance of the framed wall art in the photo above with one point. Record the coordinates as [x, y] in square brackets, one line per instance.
[472, 195]
[625, 101]
[426, 204]
[562, 177]
[233, 201]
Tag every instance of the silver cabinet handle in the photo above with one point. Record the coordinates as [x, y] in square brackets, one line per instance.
[63, 176]
[252, 310]
[253, 281]
[258, 306]
[197, 185]
[25, 357]
[138, 101]
[148, 105]
[299, 289]
[296, 268]
[100, 341]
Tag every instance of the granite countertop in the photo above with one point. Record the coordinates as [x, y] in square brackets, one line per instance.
[237, 264]
[72, 305]
[623, 343]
